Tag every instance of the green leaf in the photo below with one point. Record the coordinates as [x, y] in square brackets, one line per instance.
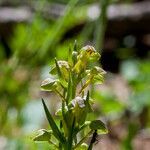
[58, 69]
[43, 135]
[69, 89]
[70, 56]
[74, 57]
[53, 125]
[98, 125]
[88, 106]
[75, 45]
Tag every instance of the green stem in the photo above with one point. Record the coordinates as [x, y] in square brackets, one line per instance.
[70, 138]
[60, 94]
[93, 140]
[86, 84]
[83, 139]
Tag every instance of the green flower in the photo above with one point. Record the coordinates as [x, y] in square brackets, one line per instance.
[64, 68]
[81, 107]
[87, 53]
[94, 76]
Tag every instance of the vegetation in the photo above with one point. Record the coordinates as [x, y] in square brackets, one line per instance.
[27, 52]
[75, 103]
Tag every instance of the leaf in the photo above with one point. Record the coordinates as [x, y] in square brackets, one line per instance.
[53, 125]
[88, 106]
[74, 57]
[69, 89]
[70, 56]
[75, 45]
[43, 135]
[98, 125]
[58, 69]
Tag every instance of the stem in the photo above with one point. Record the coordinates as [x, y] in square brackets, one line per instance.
[60, 94]
[93, 140]
[82, 86]
[83, 139]
[50, 142]
[86, 84]
[70, 137]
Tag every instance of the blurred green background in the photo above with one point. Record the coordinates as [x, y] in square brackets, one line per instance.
[34, 32]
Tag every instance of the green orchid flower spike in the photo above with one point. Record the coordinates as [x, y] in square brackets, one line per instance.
[69, 79]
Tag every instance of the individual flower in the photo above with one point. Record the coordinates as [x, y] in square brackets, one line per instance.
[95, 75]
[81, 107]
[86, 54]
[64, 68]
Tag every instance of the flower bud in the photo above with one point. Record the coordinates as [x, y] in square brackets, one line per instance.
[49, 84]
[88, 52]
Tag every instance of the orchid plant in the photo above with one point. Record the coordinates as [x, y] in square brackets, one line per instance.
[70, 81]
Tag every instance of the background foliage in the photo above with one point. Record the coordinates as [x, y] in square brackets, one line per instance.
[28, 48]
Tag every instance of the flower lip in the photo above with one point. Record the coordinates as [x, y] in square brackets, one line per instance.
[48, 81]
[89, 48]
[63, 63]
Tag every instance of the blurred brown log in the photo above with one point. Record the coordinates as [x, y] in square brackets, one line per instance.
[129, 19]
[122, 18]
[19, 14]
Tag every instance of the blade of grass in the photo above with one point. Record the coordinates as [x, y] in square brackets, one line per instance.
[53, 125]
